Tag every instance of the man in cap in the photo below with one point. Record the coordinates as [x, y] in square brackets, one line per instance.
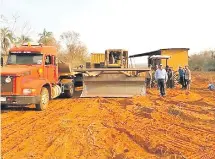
[161, 78]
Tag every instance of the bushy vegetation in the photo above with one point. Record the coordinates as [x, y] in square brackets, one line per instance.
[203, 61]
[70, 48]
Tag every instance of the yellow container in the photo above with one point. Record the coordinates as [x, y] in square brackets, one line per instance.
[97, 58]
[179, 57]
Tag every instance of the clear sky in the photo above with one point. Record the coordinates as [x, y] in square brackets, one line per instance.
[136, 25]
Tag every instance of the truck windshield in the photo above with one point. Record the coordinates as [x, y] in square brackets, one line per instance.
[25, 58]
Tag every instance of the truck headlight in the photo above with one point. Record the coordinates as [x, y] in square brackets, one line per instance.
[8, 80]
[28, 91]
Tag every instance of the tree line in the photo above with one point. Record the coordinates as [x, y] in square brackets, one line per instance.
[203, 61]
[70, 48]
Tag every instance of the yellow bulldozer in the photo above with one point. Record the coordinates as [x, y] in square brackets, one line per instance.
[108, 75]
[112, 58]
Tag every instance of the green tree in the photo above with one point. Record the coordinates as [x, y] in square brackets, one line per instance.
[7, 39]
[46, 38]
[23, 39]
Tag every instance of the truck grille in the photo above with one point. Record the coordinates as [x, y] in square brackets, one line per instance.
[6, 87]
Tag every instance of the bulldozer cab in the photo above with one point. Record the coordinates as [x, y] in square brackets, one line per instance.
[156, 60]
[116, 58]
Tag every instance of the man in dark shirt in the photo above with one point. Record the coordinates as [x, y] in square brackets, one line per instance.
[181, 77]
[170, 81]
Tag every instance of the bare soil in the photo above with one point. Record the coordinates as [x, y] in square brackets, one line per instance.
[180, 125]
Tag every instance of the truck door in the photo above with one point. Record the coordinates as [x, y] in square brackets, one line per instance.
[50, 69]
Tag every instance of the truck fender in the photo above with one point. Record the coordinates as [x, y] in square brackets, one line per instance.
[37, 85]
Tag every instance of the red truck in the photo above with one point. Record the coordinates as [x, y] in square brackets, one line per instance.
[31, 76]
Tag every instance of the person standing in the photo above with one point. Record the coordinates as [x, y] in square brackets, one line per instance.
[161, 78]
[156, 67]
[187, 77]
[173, 78]
[149, 78]
[167, 68]
[156, 83]
[170, 81]
[153, 83]
[181, 77]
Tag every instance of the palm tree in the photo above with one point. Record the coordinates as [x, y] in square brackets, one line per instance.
[23, 39]
[7, 38]
[46, 37]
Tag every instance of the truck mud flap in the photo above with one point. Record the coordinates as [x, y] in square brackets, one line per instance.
[113, 85]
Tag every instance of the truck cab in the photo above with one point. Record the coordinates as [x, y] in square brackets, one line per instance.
[31, 76]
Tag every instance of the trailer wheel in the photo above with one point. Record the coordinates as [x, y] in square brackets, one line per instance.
[4, 106]
[69, 93]
[44, 101]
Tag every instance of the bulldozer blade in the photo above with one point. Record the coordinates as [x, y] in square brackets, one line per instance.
[64, 68]
[113, 85]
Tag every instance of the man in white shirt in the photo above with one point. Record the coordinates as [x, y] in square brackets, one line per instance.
[161, 78]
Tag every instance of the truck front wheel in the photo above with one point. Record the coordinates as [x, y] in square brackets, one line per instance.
[44, 99]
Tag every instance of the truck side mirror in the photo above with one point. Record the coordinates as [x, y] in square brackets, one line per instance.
[2, 61]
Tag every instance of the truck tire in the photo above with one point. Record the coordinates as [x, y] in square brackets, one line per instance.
[44, 101]
[70, 93]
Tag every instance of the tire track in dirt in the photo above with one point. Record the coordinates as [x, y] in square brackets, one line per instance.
[29, 118]
[149, 126]
[124, 130]
[167, 121]
[26, 131]
[52, 124]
